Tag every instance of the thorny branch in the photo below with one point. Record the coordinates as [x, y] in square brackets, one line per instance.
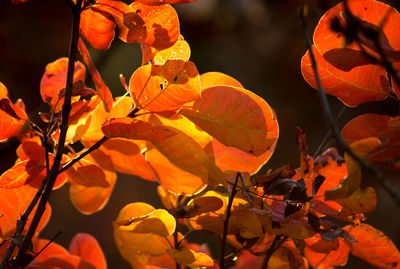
[332, 124]
[226, 221]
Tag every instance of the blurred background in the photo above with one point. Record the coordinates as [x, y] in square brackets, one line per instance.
[258, 42]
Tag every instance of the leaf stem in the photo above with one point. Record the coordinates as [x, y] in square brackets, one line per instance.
[226, 222]
[332, 124]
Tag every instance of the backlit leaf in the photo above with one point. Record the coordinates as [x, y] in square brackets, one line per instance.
[89, 200]
[179, 51]
[165, 87]
[171, 177]
[186, 154]
[125, 157]
[97, 28]
[86, 246]
[158, 222]
[374, 247]
[23, 173]
[161, 25]
[151, 2]
[55, 77]
[382, 127]
[135, 247]
[353, 180]
[236, 117]
[344, 71]
[191, 258]
[135, 129]
[210, 79]
[87, 174]
[326, 254]
[361, 84]
[13, 204]
[13, 119]
[361, 201]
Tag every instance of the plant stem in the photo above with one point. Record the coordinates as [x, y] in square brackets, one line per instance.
[226, 222]
[51, 178]
[332, 124]
[276, 244]
[88, 151]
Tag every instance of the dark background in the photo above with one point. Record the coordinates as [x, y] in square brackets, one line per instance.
[258, 42]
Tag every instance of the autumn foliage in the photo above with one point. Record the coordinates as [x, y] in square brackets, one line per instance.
[203, 138]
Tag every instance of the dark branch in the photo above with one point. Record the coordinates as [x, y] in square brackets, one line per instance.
[332, 124]
[226, 221]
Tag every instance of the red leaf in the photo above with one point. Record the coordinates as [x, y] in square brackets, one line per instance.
[86, 246]
[22, 173]
[374, 247]
[165, 87]
[361, 84]
[87, 174]
[55, 77]
[236, 117]
[135, 129]
[97, 28]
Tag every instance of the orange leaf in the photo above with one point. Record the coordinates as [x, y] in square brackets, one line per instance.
[13, 204]
[360, 84]
[134, 247]
[89, 200]
[382, 127]
[353, 180]
[361, 201]
[52, 249]
[87, 174]
[173, 178]
[210, 79]
[124, 156]
[326, 254]
[165, 87]
[55, 77]
[179, 51]
[230, 158]
[23, 173]
[13, 119]
[186, 154]
[86, 246]
[370, 12]
[97, 28]
[374, 247]
[161, 25]
[102, 90]
[31, 150]
[153, 2]
[135, 129]
[236, 117]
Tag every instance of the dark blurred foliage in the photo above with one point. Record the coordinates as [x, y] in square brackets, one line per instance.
[258, 42]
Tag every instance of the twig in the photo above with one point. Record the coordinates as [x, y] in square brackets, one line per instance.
[276, 244]
[88, 151]
[339, 139]
[226, 222]
[76, 10]
[328, 134]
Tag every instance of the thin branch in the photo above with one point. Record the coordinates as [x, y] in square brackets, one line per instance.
[78, 158]
[76, 10]
[332, 124]
[276, 244]
[328, 134]
[226, 221]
